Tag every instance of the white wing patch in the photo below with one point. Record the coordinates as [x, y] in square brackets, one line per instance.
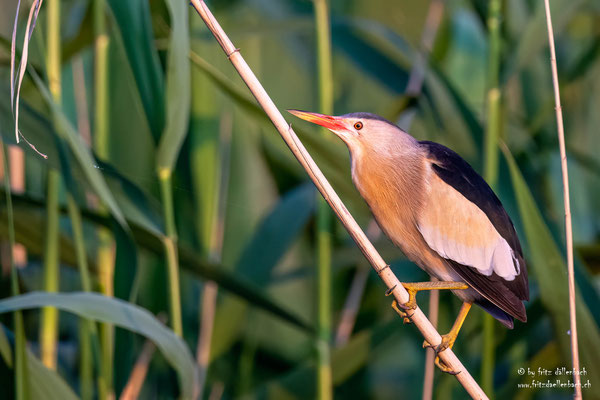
[457, 229]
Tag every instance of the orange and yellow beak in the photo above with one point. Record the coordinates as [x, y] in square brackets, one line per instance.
[327, 121]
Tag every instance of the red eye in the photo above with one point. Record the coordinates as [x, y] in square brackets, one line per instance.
[358, 126]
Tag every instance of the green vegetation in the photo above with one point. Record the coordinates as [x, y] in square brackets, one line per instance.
[184, 181]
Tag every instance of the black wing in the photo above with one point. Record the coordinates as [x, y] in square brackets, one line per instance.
[456, 172]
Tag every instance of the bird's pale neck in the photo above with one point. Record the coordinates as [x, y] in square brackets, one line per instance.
[393, 155]
[389, 173]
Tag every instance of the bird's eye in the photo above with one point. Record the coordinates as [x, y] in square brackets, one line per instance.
[358, 126]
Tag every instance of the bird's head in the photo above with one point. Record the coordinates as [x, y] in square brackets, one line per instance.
[364, 133]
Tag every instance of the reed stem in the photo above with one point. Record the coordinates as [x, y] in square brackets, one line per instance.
[490, 172]
[21, 372]
[49, 326]
[89, 340]
[324, 217]
[214, 210]
[170, 244]
[86, 362]
[85, 332]
[567, 204]
[79, 240]
[105, 251]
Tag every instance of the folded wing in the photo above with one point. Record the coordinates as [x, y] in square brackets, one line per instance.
[465, 223]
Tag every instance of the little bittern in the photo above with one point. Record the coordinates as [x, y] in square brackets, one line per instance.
[440, 212]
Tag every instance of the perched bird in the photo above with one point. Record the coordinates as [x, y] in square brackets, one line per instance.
[440, 212]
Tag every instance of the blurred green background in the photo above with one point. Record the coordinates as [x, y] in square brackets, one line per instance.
[174, 170]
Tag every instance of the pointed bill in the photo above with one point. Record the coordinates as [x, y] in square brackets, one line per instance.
[327, 121]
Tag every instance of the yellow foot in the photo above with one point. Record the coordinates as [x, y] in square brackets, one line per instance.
[449, 339]
[411, 304]
[413, 287]
[446, 343]
[406, 317]
[444, 368]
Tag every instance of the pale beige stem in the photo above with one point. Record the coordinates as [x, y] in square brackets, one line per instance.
[434, 306]
[209, 294]
[138, 374]
[81, 102]
[567, 204]
[350, 310]
[395, 287]
[357, 288]
[16, 157]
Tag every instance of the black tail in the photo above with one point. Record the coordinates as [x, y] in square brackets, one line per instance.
[496, 312]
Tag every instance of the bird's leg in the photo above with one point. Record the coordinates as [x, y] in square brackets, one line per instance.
[449, 338]
[413, 287]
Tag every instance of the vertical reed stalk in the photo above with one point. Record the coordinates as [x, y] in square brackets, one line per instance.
[207, 321]
[134, 385]
[493, 129]
[351, 306]
[17, 185]
[170, 244]
[86, 362]
[209, 295]
[49, 328]
[434, 307]
[105, 262]
[90, 353]
[105, 253]
[493, 96]
[89, 340]
[76, 224]
[177, 98]
[567, 205]
[324, 216]
[21, 374]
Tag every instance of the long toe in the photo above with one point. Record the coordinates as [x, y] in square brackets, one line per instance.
[411, 304]
[404, 314]
[446, 343]
[444, 368]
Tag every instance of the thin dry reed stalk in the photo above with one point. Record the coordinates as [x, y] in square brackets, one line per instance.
[138, 374]
[355, 294]
[351, 306]
[132, 389]
[434, 307]
[567, 203]
[209, 294]
[394, 286]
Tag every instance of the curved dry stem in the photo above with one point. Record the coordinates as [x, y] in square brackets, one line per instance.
[395, 288]
[16, 77]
